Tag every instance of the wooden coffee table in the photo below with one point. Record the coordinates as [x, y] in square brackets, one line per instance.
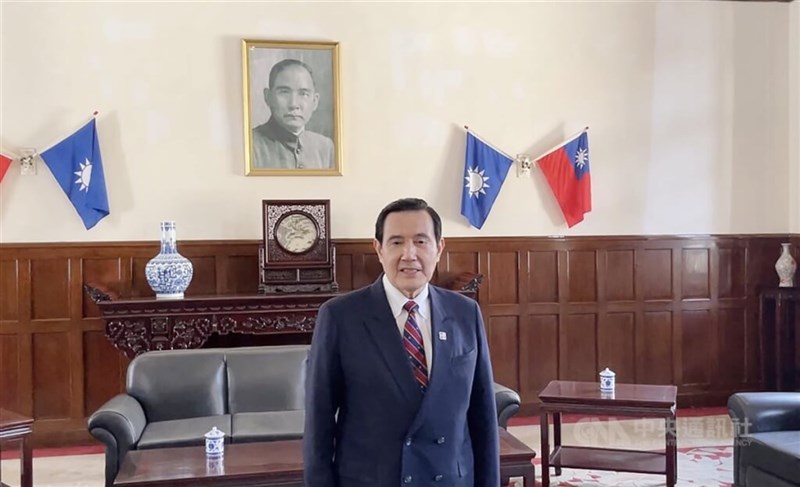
[643, 401]
[268, 464]
[16, 427]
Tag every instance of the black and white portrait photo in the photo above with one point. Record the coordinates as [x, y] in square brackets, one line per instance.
[291, 108]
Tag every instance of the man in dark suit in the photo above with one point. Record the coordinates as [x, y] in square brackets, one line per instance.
[399, 385]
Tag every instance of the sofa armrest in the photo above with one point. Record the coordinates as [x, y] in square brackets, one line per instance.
[507, 401]
[118, 424]
[757, 412]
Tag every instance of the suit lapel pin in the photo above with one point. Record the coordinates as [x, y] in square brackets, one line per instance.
[442, 335]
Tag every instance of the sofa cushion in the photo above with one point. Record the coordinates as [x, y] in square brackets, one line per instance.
[269, 426]
[777, 452]
[178, 384]
[273, 381]
[183, 432]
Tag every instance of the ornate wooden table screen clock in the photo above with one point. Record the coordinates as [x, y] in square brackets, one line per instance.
[297, 254]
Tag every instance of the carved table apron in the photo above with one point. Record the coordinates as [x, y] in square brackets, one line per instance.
[136, 326]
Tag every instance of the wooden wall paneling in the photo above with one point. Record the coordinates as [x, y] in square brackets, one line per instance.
[543, 278]
[654, 274]
[503, 333]
[344, 271]
[538, 357]
[654, 348]
[100, 374]
[582, 276]
[9, 291]
[50, 289]
[503, 278]
[734, 355]
[554, 307]
[204, 276]
[695, 273]
[577, 350]
[619, 275]
[51, 375]
[616, 345]
[10, 360]
[698, 340]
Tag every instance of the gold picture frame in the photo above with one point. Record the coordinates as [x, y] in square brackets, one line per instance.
[294, 127]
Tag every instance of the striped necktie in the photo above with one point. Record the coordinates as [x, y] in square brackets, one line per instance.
[412, 341]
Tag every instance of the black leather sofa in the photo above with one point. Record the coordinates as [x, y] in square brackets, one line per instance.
[252, 394]
[766, 445]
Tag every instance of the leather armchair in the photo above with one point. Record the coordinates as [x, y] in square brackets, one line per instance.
[766, 446]
[508, 402]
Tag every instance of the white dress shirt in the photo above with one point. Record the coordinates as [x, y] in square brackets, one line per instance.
[423, 315]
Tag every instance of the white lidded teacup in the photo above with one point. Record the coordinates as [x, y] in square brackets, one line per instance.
[607, 380]
[215, 443]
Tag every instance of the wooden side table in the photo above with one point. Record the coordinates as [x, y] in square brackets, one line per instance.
[779, 314]
[636, 400]
[16, 427]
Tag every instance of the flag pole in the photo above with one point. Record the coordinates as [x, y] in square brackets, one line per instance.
[89, 119]
[562, 144]
[484, 141]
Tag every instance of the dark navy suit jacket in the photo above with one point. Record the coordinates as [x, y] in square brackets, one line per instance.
[367, 422]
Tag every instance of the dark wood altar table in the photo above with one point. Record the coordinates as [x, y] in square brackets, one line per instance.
[135, 326]
[139, 325]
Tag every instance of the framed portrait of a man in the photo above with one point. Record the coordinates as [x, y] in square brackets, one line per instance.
[291, 108]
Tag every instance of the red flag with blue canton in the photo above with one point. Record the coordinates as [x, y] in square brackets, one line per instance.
[78, 167]
[567, 172]
[5, 162]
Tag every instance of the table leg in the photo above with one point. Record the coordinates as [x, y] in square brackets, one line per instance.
[529, 479]
[557, 437]
[672, 451]
[545, 432]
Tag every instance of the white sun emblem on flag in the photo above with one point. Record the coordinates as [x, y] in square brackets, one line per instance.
[84, 176]
[581, 157]
[476, 181]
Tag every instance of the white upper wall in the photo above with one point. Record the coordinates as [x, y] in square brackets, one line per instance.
[687, 103]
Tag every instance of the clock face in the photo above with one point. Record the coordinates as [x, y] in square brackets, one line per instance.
[296, 233]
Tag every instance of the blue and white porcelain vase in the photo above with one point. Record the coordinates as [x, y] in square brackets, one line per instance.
[168, 273]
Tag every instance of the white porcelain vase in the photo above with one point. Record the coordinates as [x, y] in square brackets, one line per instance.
[786, 266]
[169, 273]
